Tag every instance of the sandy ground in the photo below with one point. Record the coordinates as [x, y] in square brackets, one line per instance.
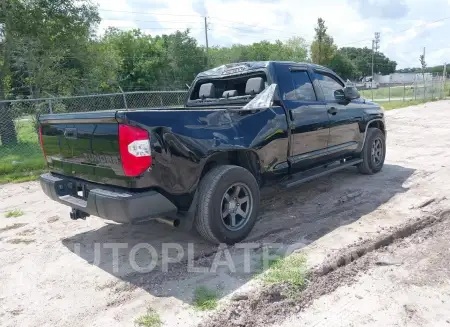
[404, 284]
[58, 272]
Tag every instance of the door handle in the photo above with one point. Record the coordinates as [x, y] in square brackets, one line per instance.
[332, 111]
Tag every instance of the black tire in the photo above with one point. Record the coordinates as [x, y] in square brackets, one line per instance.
[372, 163]
[209, 220]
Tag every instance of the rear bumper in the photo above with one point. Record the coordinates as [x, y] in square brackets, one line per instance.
[107, 202]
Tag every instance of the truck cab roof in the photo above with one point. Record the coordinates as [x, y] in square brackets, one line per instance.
[239, 68]
[238, 83]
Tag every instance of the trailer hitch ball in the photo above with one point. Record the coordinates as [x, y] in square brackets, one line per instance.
[78, 214]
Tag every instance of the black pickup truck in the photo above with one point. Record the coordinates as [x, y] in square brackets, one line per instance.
[243, 126]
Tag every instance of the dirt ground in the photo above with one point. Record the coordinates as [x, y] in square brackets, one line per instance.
[404, 284]
[58, 272]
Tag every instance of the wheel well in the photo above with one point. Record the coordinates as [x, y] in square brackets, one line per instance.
[244, 158]
[377, 124]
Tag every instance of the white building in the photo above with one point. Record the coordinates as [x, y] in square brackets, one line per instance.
[403, 78]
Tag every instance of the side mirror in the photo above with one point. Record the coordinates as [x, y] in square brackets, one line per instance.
[351, 93]
[339, 95]
[347, 94]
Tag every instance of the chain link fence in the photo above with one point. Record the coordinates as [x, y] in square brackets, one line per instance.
[20, 152]
[435, 87]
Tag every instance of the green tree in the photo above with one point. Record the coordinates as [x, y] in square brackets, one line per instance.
[323, 47]
[362, 59]
[50, 41]
[343, 66]
[42, 41]
[155, 63]
[294, 49]
[185, 59]
[423, 65]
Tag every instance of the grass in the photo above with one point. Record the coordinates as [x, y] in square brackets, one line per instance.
[289, 270]
[150, 319]
[14, 213]
[205, 298]
[402, 104]
[408, 90]
[22, 161]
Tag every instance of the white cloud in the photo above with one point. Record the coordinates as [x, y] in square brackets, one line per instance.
[351, 23]
[117, 17]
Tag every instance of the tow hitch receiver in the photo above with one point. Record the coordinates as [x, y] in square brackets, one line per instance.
[78, 214]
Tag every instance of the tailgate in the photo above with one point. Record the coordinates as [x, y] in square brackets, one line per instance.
[83, 145]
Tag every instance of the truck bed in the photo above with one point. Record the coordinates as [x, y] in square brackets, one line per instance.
[86, 145]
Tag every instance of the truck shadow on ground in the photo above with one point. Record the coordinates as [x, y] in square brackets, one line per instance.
[292, 218]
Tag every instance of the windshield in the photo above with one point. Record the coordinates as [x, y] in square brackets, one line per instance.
[231, 89]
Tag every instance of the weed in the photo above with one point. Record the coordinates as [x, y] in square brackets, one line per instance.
[150, 319]
[291, 270]
[14, 213]
[268, 261]
[205, 299]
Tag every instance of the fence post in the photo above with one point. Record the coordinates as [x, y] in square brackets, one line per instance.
[389, 85]
[404, 91]
[424, 88]
[445, 81]
[125, 103]
[50, 106]
[444, 76]
[432, 88]
[415, 87]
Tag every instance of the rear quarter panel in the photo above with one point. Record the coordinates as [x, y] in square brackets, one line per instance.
[183, 141]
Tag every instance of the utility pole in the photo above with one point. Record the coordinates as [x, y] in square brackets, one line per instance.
[375, 47]
[373, 53]
[444, 76]
[206, 39]
[423, 76]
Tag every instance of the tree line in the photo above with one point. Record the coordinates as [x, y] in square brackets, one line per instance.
[52, 48]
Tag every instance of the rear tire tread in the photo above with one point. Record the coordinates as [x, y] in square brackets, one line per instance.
[365, 166]
[207, 187]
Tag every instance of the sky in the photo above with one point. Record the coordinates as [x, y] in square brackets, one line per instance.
[406, 26]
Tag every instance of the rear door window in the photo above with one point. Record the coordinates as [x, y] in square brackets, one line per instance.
[302, 89]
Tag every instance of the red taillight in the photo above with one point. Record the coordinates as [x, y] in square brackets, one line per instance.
[41, 141]
[135, 153]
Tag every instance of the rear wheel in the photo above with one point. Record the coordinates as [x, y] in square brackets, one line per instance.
[228, 204]
[373, 153]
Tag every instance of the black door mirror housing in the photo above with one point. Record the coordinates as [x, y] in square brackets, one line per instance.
[351, 93]
[347, 94]
[339, 95]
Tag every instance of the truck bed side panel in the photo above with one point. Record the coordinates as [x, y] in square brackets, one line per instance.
[183, 141]
[85, 145]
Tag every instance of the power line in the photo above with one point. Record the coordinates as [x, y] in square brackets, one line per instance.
[158, 28]
[154, 21]
[253, 36]
[257, 26]
[423, 24]
[147, 13]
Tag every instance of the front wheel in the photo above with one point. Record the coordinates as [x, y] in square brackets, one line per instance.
[228, 204]
[373, 153]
